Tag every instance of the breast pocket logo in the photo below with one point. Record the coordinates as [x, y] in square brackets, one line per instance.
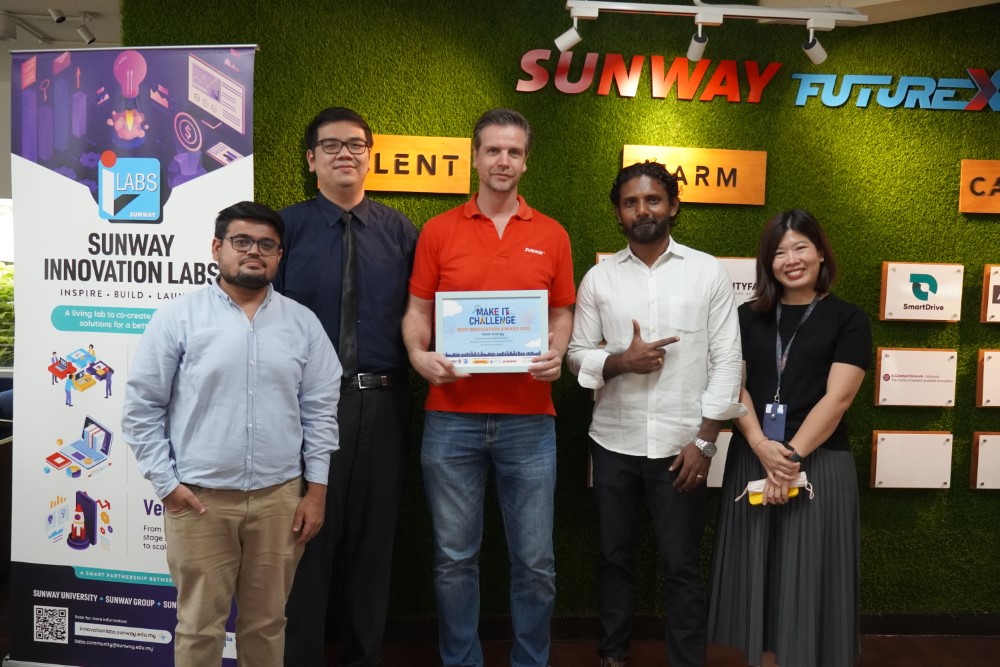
[129, 189]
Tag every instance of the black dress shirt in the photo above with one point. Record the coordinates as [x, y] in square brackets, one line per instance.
[310, 272]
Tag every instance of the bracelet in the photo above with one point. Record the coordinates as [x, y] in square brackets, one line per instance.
[754, 448]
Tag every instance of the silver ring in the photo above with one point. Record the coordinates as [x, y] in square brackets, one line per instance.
[700, 476]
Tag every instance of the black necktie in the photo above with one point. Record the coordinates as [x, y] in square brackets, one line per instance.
[348, 348]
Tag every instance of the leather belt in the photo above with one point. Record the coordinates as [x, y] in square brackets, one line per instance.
[375, 381]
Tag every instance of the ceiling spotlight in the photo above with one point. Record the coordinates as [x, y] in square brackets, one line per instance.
[572, 37]
[57, 15]
[84, 31]
[696, 49]
[86, 35]
[814, 50]
[8, 27]
[569, 39]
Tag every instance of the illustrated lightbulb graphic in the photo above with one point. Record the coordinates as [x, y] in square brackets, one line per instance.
[129, 70]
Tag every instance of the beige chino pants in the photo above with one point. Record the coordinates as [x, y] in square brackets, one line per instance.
[242, 546]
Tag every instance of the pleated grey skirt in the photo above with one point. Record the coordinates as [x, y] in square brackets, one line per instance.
[786, 578]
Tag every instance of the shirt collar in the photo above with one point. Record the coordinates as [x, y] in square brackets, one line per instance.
[220, 293]
[471, 209]
[332, 213]
[674, 248]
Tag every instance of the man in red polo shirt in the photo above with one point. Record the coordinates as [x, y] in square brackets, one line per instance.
[503, 421]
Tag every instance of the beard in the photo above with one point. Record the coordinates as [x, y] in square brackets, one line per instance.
[649, 229]
[248, 280]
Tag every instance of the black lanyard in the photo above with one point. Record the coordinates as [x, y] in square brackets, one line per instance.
[781, 357]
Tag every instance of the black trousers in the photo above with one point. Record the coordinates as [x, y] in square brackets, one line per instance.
[354, 547]
[623, 486]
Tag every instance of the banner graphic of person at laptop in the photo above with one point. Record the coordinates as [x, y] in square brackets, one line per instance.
[90, 451]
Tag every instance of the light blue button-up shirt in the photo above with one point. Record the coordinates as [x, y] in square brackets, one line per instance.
[217, 400]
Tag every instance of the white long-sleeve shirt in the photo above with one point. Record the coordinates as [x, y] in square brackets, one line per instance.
[686, 293]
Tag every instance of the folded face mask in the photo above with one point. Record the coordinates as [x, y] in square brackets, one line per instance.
[755, 489]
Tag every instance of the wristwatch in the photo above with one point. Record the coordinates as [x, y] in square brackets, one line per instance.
[707, 449]
[794, 458]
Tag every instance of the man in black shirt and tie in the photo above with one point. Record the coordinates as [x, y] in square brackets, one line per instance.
[348, 260]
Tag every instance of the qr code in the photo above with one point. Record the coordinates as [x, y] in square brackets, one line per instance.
[52, 624]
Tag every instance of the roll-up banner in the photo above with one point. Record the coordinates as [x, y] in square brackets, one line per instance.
[121, 159]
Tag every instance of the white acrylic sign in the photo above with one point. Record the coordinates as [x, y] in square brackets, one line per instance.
[990, 311]
[916, 377]
[911, 460]
[928, 292]
[743, 272]
[985, 461]
[988, 379]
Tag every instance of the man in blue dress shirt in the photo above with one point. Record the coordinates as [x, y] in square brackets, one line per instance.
[354, 549]
[230, 411]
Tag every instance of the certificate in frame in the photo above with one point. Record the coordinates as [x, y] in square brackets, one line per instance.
[492, 331]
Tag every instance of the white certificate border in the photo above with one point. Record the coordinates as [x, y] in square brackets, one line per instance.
[486, 364]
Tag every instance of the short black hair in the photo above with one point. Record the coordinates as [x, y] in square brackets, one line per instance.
[502, 117]
[654, 170]
[335, 115]
[252, 211]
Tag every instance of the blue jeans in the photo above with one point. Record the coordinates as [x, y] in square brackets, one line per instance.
[458, 451]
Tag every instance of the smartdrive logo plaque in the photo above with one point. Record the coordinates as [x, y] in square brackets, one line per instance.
[129, 189]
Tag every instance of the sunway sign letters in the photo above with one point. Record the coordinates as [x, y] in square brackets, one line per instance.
[748, 81]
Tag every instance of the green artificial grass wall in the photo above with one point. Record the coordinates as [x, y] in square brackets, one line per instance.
[884, 182]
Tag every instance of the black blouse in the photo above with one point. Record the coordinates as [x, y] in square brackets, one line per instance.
[836, 332]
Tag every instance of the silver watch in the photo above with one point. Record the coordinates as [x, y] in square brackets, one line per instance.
[707, 449]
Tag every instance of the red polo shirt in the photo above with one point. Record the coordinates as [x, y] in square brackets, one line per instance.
[460, 250]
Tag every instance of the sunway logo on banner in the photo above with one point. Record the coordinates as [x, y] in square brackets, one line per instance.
[129, 189]
[729, 78]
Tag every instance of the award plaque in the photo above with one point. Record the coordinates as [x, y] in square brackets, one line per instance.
[492, 332]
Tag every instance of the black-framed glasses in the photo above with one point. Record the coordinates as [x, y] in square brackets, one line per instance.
[333, 146]
[266, 247]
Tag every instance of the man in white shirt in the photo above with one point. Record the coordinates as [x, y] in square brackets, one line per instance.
[666, 379]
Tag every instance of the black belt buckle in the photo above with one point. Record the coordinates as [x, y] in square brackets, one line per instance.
[372, 381]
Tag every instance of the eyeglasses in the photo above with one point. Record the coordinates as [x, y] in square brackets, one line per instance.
[333, 146]
[266, 247]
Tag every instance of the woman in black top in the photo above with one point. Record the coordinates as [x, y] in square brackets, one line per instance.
[785, 574]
